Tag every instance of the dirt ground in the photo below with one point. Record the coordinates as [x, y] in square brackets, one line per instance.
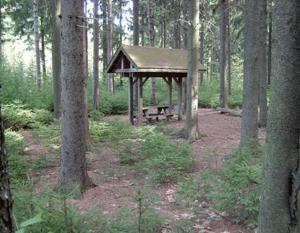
[115, 182]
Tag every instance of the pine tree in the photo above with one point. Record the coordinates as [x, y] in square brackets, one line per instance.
[192, 127]
[279, 202]
[73, 170]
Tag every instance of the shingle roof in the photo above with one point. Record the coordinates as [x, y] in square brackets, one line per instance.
[152, 58]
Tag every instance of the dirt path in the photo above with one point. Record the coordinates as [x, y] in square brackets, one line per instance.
[116, 183]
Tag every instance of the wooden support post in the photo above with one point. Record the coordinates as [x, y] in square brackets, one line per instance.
[130, 100]
[170, 94]
[140, 101]
[180, 112]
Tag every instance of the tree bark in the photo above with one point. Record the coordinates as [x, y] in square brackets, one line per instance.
[73, 169]
[191, 122]
[96, 56]
[104, 38]
[152, 44]
[270, 27]
[56, 60]
[7, 224]
[36, 28]
[279, 203]
[249, 128]
[229, 50]
[136, 28]
[262, 62]
[43, 54]
[224, 54]
[110, 81]
[1, 31]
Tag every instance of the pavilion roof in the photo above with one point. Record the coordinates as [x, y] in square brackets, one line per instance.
[150, 59]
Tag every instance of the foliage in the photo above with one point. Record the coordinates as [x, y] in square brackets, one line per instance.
[115, 130]
[17, 116]
[163, 160]
[15, 150]
[18, 84]
[57, 216]
[115, 104]
[143, 219]
[235, 189]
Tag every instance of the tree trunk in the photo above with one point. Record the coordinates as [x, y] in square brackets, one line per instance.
[56, 61]
[6, 201]
[110, 81]
[201, 50]
[262, 62]
[135, 42]
[36, 28]
[86, 40]
[279, 203]
[142, 30]
[249, 128]
[270, 26]
[43, 55]
[104, 38]
[96, 56]
[73, 169]
[191, 122]
[229, 50]
[121, 32]
[152, 44]
[1, 25]
[224, 54]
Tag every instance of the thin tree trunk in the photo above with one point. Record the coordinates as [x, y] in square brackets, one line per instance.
[191, 122]
[96, 56]
[121, 31]
[7, 224]
[110, 81]
[56, 60]
[136, 38]
[104, 38]
[262, 61]
[36, 28]
[152, 44]
[224, 54]
[73, 169]
[201, 50]
[43, 54]
[249, 128]
[142, 30]
[279, 202]
[229, 50]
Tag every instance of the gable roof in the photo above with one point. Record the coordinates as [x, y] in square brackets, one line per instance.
[150, 58]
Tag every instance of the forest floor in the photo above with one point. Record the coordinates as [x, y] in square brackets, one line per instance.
[116, 182]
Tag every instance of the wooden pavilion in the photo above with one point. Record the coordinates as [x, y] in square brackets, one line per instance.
[141, 63]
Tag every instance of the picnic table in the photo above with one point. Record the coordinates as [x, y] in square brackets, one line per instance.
[162, 112]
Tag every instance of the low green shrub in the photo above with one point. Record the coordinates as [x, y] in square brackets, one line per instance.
[236, 188]
[15, 150]
[143, 219]
[115, 130]
[157, 156]
[116, 104]
[18, 115]
[56, 214]
[163, 160]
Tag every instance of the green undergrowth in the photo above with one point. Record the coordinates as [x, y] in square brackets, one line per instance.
[17, 116]
[146, 148]
[234, 189]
